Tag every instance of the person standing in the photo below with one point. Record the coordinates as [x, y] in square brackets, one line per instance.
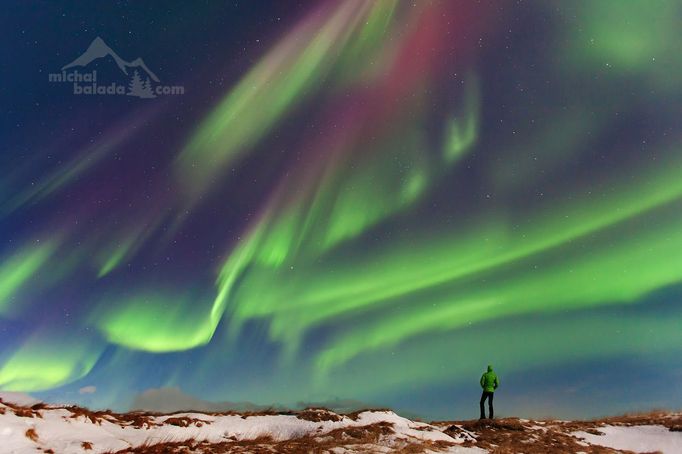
[489, 383]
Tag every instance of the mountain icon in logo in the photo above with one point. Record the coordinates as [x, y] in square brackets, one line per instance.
[99, 49]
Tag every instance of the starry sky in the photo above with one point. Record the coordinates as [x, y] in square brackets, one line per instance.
[349, 199]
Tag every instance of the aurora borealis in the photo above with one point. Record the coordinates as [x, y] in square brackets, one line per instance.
[352, 199]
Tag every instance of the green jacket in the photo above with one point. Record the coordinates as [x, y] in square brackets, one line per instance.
[489, 381]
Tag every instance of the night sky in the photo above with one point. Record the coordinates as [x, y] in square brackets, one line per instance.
[350, 199]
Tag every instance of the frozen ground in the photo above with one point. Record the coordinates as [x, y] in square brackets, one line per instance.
[27, 426]
[636, 438]
[66, 430]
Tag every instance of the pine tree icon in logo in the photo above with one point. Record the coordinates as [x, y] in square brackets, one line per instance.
[140, 88]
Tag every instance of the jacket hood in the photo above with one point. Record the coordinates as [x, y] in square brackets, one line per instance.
[490, 368]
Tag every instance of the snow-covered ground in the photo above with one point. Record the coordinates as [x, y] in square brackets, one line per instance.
[66, 430]
[636, 438]
[27, 426]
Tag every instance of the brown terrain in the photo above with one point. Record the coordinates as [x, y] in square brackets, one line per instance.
[499, 436]
[514, 435]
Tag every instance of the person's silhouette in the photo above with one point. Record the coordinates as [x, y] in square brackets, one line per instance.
[489, 383]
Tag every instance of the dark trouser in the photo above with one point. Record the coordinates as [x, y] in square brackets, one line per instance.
[489, 396]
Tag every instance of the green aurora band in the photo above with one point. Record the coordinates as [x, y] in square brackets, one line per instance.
[295, 297]
[62, 358]
[144, 322]
[18, 270]
[291, 71]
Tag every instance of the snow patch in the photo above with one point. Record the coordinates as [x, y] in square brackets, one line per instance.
[636, 438]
